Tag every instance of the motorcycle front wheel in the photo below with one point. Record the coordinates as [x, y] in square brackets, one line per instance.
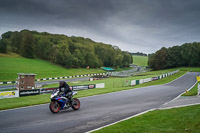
[54, 106]
[75, 104]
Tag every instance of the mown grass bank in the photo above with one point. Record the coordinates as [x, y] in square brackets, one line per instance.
[140, 60]
[13, 64]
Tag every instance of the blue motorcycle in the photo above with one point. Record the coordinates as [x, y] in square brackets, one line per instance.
[59, 102]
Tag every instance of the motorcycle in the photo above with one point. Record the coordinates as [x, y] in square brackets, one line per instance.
[59, 102]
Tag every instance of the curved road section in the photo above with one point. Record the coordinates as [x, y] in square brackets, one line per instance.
[95, 111]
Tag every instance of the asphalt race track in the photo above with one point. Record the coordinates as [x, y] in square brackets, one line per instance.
[95, 111]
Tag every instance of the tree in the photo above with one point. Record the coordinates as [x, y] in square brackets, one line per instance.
[28, 45]
[91, 60]
[157, 61]
[16, 41]
[44, 49]
[174, 58]
[151, 61]
[79, 58]
[127, 60]
[4, 43]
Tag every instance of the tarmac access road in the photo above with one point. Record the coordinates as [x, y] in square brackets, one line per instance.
[2, 87]
[95, 111]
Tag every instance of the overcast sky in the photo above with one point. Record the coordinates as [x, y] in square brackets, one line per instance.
[132, 25]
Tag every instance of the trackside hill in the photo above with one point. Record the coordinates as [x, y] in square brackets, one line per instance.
[11, 64]
[140, 60]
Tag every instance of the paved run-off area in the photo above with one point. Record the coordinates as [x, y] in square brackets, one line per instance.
[181, 102]
[95, 111]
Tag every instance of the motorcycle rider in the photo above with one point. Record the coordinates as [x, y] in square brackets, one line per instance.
[65, 89]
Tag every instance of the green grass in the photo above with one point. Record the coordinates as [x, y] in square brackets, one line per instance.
[10, 103]
[140, 60]
[11, 65]
[10, 89]
[192, 69]
[179, 120]
[192, 92]
[112, 85]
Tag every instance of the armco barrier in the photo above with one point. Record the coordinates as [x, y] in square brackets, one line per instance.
[147, 80]
[29, 92]
[47, 90]
[83, 87]
[141, 81]
[100, 85]
[50, 90]
[154, 78]
[54, 78]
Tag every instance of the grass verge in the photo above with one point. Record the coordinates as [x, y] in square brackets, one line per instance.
[40, 99]
[179, 120]
[192, 92]
[192, 69]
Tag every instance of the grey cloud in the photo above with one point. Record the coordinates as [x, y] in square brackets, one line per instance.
[133, 25]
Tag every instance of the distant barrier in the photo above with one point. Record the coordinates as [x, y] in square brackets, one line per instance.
[128, 73]
[21, 93]
[117, 84]
[141, 81]
[56, 78]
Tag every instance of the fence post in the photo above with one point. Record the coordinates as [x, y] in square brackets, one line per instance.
[198, 93]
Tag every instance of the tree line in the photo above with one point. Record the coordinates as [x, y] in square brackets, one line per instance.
[139, 54]
[69, 52]
[186, 55]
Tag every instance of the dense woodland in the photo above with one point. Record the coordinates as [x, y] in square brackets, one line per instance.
[186, 55]
[66, 51]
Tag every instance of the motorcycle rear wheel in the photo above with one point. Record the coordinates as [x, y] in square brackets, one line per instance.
[75, 104]
[54, 106]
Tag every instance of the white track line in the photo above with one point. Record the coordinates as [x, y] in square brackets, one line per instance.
[23, 107]
[178, 106]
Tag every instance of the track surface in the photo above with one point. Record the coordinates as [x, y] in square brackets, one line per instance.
[95, 111]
